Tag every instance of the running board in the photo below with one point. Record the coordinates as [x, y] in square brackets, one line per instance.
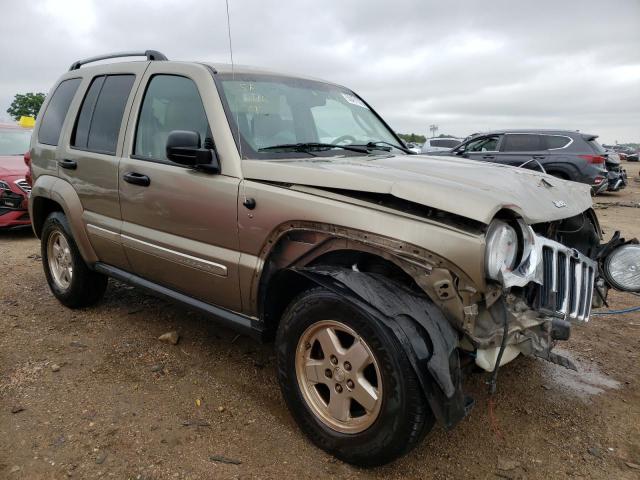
[236, 321]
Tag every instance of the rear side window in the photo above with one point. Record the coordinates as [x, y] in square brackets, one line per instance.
[552, 142]
[522, 143]
[170, 103]
[54, 115]
[100, 116]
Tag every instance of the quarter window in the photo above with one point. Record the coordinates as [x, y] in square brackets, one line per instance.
[170, 103]
[54, 115]
[522, 143]
[555, 141]
[100, 116]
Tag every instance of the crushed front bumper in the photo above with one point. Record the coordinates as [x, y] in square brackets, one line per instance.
[552, 286]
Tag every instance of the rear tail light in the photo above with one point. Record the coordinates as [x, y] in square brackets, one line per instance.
[598, 180]
[593, 159]
[27, 162]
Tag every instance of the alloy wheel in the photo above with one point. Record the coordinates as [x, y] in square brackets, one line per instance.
[339, 376]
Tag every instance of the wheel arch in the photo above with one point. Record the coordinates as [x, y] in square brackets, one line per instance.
[563, 168]
[282, 285]
[301, 244]
[52, 194]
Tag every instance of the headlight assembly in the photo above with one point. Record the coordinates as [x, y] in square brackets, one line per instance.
[501, 250]
[622, 268]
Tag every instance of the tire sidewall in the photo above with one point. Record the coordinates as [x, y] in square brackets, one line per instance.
[392, 363]
[57, 222]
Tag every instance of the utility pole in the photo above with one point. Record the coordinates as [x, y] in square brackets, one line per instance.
[433, 129]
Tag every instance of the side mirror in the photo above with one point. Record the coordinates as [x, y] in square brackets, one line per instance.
[183, 147]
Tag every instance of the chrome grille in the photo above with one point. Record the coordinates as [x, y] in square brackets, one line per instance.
[567, 283]
[24, 185]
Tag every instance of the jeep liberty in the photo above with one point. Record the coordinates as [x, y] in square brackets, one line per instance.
[286, 208]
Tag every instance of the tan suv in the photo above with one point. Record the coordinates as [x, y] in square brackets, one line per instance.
[286, 208]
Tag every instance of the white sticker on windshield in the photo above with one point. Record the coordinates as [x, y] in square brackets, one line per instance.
[352, 99]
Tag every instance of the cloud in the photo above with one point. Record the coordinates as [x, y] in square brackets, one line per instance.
[466, 65]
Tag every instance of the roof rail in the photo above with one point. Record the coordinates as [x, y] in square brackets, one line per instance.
[150, 54]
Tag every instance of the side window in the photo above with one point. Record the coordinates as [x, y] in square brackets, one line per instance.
[54, 115]
[552, 142]
[170, 103]
[484, 144]
[100, 117]
[522, 142]
[445, 143]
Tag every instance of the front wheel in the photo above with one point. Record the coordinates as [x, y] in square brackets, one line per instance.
[348, 382]
[71, 281]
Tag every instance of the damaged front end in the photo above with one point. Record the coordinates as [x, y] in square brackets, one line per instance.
[542, 279]
[545, 286]
[558, 274]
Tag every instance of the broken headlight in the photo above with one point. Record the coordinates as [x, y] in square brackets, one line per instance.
[501, 250]
[622, 268]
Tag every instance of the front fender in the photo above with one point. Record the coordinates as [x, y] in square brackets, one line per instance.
[427, 338]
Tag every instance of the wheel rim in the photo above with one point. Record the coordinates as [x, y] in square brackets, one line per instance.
[339, 376]
[59, 258]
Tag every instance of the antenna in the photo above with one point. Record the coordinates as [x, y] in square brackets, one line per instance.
[229, 34]
[233, 74]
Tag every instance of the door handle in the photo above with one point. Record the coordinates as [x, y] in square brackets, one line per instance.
[539, 157]
[68, 164]
[488, 157]
[136, 179]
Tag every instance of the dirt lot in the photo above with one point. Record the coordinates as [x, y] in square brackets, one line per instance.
[93, 393]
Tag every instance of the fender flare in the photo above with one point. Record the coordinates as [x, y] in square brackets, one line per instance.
[63, 193]
[426, 336]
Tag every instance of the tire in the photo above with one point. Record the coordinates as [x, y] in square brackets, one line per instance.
[79, 287]
[401, 416]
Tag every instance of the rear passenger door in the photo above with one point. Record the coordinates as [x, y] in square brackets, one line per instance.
[180, 226]
[91, 153]
[526, 149]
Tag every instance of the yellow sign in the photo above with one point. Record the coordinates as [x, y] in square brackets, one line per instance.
[27, 122]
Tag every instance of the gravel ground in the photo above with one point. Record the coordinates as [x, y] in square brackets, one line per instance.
[93, 393]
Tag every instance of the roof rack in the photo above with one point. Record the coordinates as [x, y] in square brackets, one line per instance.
[150, 54]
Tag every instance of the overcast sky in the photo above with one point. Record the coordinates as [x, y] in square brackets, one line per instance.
[467, 66]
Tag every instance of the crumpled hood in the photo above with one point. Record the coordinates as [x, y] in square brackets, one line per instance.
[12, 165]
[469, 188]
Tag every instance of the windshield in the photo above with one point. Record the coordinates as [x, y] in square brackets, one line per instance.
[271, 110]
[14, 141]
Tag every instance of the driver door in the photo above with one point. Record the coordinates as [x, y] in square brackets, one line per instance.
[179, 225]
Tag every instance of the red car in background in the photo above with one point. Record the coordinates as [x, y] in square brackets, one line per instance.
[14, 188]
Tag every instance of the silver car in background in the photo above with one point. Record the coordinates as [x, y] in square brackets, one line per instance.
[440, 144]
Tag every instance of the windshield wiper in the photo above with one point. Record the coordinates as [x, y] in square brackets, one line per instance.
[377, 146]
[307, 146]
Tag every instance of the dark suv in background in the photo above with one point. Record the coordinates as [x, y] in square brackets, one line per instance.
[564, 154]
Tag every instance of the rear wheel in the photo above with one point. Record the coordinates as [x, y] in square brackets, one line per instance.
[71, 281]
[347, 381]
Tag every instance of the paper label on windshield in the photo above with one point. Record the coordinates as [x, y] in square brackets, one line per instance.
[352, 99]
